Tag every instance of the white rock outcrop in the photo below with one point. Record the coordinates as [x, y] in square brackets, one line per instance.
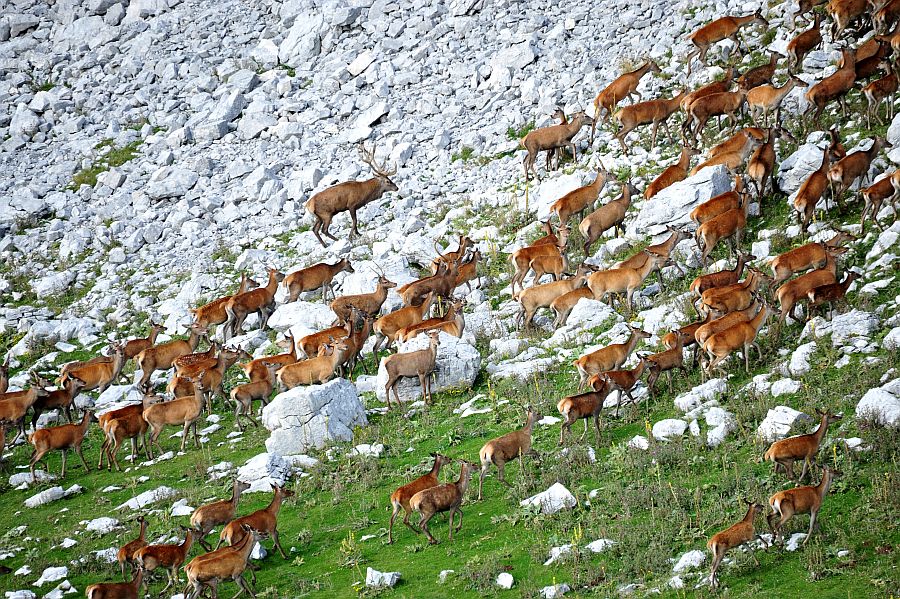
[778, 423]
[554, 499]
[881, 404]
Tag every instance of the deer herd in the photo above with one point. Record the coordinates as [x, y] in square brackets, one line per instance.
[732, 305]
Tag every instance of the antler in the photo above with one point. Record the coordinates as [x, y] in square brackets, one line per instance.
[368, 156]
[434, 243]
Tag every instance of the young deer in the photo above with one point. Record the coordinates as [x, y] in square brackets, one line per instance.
[264, 521]
[63, 438]
[644, 113]
[213, 313]
[801, 45]
[811, 191]
[550, 138]
[734, 536]
[243, 395]
[852, 167]
[879, 90]
[61, 399]
[785, 452]
[810, 255]
[623, 280]
[740, 336]
[625, 85]
[117, 590]
[580, 199]
[622, 381]
[522, 258]
[800, 500]
[126, 552]
[718, 30]
[136, 346]
[420, 363]
[217, 513]
[317, 276]
[161, 357]
[260, 301]
[400, 499]
[672, 174]
[184, 411]
[610, 357]
[170, 557]
[369, 303]
[665, 361]
[443, 498]
[258, 369]
[222, 564]
[542, 296]
[350, 196]
[757, 76]
[583, 406]
[124, 423]
[609, 216]
[506, 448]
[830, 293]
[768, 98]
[874, 196]
[833, 87]
[790, 293]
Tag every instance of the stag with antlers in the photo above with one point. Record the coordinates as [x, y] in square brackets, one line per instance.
[350, 196]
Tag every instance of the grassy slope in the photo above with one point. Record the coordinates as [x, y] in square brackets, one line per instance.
[655, 504]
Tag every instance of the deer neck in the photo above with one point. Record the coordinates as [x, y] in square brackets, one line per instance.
[830, 263]
[154, 333]
[741, 21]
[645, 269]
[193, 339]
[462, 484]
[748, 517]
[235, 495]
[757, 321]
[272, 284]
[138, 578]
[825, 160]
[435, 468]
[85, 422]
[274, 507]
[820, 432]
[143, 532]
[639, 369]
[247, 545]
[188, 541]
[824, 484]
[685, 160]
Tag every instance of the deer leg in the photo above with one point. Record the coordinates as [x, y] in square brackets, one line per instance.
[277, 543]
[812, 524]
[354, 230]
[64, 452]
[423, 526]
[717, 559]
[653, 131]
[452, 513]
[502, 475]
[484, 469]
[81, 455]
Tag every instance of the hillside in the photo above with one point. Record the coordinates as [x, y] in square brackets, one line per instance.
[153, 151]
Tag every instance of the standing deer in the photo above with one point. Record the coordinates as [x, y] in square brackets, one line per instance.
[506, 448]
[550, 138]
[350, 196]
[625, 85]
[260, 300]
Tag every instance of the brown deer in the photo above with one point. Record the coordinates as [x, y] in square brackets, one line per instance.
[213, 313]
[260, 301]
[800, 500]
[124, 423]
[541, 296]
[522, 259]
[443, 498]
[4, 375]
[723, 300]
[723, 277]
[388, 326]
[762, 164]
[452, 323]
[581, 199]
[217, 513]
[420, 363]
[608, 358]
[853, 166]
[759, 75]
[791, 292]
[718, 30]
[264, 521]
[14, 404]
[785, 452]
[258, 369]
[369, 303]
[874, 196]
[170, 557]
[734, 536]
[811, 191]
[222, 564]
[665, 361]
[721, 104]
[117, 590]
[260, 389]
[63, 438]
[183, 411]
[317, 276]
[810, 255]
[609, 216]
[126, 552]
[879, 90]
[833, 87]
[551, 138]
[744, 141]
[843, 12]
[350, 196]
[162, 356]
[716, 87]
[740, 336]
[400, 499]
[622, 381]
[725, 322]
[441, 285]
[830, 293]
[623, 280]
[625, 85]
[506, 448]
[463, 246]
[728, 226]
[653, 112]
[768, 98]
[58, 399]
[801, 45]
[583, 406]
[136, 346]
[312, 371]
[719, 204]
[672, 174]
[98, 375]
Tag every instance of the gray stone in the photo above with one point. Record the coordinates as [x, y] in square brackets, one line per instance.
[673, 204]
[515, 57]
[172, 182]
[302, 42]
[379, 580]
[24, 122]
[881, 404]
[53, 284]
[778, 423]
[554, 499]
[20, 23]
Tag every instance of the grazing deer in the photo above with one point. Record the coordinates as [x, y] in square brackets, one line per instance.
[800, 500]
[126, 552]
[785, 452]
[759, 75]
[443, 498]
[833, 87]
[801, 45]
[810, 255]
[718, 30]
[583, 406]
[625, 85]
[653, 112]
[551, 138]
[830, 293]
[170, 557]
[580, 199]
[368, 303]
[350, 196]
[400, 499]
[260, 301]
[317, 276]
[217, 513]
[608, 216]
[672, 174]
[608, 358]
[506, 448]
[63, 438]
[734, 536]
[264, 521]
[420, 363]
[162, 356]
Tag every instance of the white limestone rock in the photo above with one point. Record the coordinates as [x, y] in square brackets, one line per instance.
[778, 423]
[554, 499]
[379, 580]
[881, 405]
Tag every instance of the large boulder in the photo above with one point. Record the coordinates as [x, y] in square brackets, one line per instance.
[302, 42]
[312, 417]
[170, 182]
[301, 318]
[881, 404]
[672, 205]
[798, 166]
[778, 423]
[457, 366]
[554, 499]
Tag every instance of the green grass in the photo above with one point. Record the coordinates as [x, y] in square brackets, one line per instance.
[113, 158]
